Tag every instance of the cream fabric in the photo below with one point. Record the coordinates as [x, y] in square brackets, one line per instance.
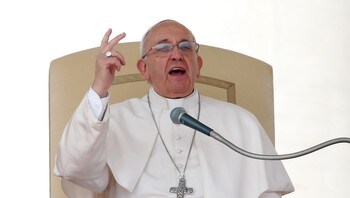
[130, 146]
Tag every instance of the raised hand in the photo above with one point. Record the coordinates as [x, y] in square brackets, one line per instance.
[108, 61]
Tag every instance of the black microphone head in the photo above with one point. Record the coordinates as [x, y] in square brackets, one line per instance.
[176, 113]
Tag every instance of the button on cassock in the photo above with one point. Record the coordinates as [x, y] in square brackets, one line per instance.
[179, 151]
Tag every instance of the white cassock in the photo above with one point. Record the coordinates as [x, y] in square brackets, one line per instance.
[123, 156]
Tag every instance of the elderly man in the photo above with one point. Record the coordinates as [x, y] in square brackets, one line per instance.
[132, 149]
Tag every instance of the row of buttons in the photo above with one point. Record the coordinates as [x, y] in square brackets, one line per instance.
[179, 151]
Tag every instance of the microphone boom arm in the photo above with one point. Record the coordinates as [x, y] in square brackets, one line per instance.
[221, 139]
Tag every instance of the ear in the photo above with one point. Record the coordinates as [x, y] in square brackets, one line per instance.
[142, 67]
[199, 64]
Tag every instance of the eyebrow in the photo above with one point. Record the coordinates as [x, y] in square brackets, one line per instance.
[163, 41]
[167, 41]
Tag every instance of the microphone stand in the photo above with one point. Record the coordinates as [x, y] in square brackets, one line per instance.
[221, 139]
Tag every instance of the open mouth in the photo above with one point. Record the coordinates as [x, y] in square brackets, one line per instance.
[177, 71]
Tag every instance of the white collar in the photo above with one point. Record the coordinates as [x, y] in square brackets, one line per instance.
[161, 102]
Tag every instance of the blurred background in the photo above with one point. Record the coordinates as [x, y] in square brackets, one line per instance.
[306, 42]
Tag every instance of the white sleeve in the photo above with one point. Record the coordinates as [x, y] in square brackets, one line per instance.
[98, 105]
[81, 156]
[270, 195]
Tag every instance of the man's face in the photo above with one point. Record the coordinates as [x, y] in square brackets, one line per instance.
[172, 74]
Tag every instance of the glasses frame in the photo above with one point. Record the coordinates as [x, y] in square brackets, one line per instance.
[173, 47]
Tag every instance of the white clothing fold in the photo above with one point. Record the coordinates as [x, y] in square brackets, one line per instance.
[118, 150]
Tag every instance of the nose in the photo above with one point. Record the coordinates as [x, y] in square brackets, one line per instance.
[176, 54]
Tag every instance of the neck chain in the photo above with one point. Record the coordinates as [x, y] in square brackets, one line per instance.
[181, 189]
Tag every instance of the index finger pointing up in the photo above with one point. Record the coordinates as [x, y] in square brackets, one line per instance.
[106, 37]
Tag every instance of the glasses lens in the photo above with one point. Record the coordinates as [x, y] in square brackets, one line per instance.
[186, 46]
[163, 47]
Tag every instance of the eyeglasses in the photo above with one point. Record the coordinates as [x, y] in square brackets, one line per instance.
[164, 49]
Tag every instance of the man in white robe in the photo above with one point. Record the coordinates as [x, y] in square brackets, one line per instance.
[132, 149]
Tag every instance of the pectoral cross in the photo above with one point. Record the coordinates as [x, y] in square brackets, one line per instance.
[181, 189]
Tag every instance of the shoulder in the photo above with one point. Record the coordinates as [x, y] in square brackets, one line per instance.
[132, 105]
[215, 105]
[225, 113]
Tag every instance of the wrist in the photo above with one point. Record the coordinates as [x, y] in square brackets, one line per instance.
[100, 90]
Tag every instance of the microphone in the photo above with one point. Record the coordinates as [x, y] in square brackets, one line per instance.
[179, 116]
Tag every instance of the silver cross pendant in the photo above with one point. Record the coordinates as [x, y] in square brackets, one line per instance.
[181, 189]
